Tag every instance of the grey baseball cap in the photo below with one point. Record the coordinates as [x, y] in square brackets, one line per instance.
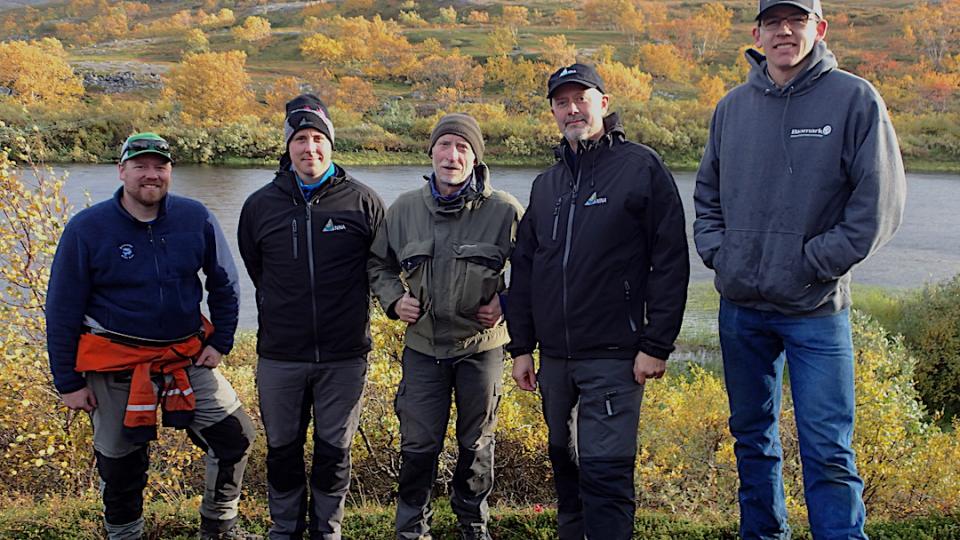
[810, 6]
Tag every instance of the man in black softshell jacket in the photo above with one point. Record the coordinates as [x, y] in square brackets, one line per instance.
[305, 239]
[599, 283]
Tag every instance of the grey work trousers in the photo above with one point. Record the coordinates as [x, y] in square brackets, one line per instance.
[220, 427]
[423, 407]
[290, 393]
[592, 410]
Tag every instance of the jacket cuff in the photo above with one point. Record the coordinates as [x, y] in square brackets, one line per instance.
[71, 386]
[662, 353]
[519, 350]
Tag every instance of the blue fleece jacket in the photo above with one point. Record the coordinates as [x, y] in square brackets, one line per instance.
[138, 279]
[797, 185]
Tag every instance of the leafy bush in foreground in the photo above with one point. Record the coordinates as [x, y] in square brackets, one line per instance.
[931, 328]
[686, 465]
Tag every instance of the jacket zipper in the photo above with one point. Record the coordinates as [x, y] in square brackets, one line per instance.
[566, 254]
[156, 260]
[626, 294]
[556, 216]
[313, 292]
[296, 239]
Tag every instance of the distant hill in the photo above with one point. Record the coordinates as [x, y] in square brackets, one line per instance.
[14, 4]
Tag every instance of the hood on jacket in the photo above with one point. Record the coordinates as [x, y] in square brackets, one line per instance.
[819, 62]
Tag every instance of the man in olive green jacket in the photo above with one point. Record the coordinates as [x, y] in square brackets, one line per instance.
[437, 263]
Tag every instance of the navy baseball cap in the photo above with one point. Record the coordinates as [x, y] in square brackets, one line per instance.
[582, 74]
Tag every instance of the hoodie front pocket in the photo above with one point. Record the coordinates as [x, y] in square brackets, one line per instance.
[786, 278]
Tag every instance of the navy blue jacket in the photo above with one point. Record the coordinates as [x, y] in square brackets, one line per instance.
[138, 279]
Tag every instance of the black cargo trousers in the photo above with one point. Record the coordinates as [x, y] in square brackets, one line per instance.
[592, 410]
[291, 393]
[423, 407]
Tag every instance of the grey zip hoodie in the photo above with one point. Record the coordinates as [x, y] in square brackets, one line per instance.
[797, 185]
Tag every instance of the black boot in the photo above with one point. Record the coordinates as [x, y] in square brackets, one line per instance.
[227, 529]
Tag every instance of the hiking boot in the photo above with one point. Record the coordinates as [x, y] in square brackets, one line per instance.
[474, 532]
[229, 529]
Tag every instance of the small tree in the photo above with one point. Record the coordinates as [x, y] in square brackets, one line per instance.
[211, 88]
[253, 30]
[37, 72]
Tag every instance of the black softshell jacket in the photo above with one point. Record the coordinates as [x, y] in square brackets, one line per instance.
[601, 266]
[308, 262]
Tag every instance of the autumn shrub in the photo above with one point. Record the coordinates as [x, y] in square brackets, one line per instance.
[931, 328]
[685, 468]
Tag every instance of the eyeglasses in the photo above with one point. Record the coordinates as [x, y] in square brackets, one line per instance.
[795, 22]
[140, 145]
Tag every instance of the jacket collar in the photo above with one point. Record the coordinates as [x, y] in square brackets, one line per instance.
[286, 180]
[613, 133]
[118, 195]
[468, 198]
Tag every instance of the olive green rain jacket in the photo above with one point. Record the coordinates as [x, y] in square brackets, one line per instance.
[452, 257]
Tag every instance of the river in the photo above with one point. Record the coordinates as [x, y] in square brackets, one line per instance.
[926, 249]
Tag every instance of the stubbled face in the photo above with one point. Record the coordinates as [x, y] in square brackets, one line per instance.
[146, 180]
[311, 154]
[453, 162]
[579, 112]
[787, 43]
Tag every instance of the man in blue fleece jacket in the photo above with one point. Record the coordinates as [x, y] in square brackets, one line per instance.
[126, 270]
[801, 180]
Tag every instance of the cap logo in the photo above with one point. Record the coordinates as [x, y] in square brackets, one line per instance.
[567, 71]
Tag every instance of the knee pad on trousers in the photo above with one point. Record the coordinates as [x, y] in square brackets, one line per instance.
[285, 466]
[417, 474]
[230, 439]
[124, 479]
[331, 467]
[474, 473]
[611, 477]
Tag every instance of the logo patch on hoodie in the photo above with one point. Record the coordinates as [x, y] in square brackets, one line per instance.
[331, 226]
[126, 251]
[819, 133]
[594, 200]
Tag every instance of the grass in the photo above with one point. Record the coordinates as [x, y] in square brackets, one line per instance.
[59, 518]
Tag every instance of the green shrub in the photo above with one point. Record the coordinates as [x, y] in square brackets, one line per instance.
[931, 329]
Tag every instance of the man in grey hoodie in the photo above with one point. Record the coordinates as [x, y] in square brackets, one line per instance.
[801, 180]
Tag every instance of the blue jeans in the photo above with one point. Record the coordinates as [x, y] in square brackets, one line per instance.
[819, 352]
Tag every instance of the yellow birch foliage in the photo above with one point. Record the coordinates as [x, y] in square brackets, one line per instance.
[709, 91]
[42, 445]
[38, 73]
[252, 30]
[375, 47]
[625, 83]
[281, 91]
[557, 52]
[211, 88]
[664, 61]
[356, 94]
[449, 78]
[196, 41]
